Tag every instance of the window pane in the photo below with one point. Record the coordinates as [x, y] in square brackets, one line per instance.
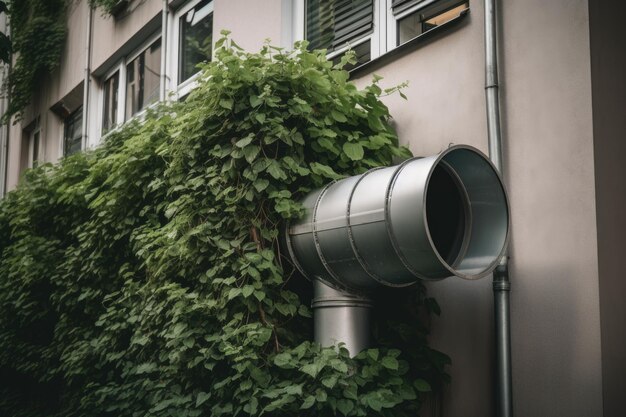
[143, 80]
[196, 39]
[111, 91]
[35, 148]
[73, 132]
[331, 24]
[428, 18]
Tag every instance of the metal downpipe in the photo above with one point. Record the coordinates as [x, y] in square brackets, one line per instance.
[87, 81]
[501, 283]
[164, 51]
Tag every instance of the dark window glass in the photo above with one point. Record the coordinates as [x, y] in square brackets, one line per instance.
[332, 24]
[73, 132]
[143, 79]
[196, 39]
[427, 18]
[111, 93]
[36, 137]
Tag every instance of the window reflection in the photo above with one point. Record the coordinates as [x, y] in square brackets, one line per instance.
[111, 93]
[73, 134]
[143, 77]
[428, 18]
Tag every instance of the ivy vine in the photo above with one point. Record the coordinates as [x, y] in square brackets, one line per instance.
[145, 277]
[38, 33]
[38, 30]
[107, 6]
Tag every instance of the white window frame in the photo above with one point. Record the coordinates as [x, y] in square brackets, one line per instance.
[393, 21]
[178, 90]
[383, 37]
[31, 143]
[121, 67]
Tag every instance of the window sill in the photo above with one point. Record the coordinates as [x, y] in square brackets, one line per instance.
[406, 47]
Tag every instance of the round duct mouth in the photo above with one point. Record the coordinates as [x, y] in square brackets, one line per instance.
[427, 218]
[466, 213]
[448, 214]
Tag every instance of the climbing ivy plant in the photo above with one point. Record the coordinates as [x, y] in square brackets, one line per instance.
[145, 277]
[38, 31]
[107, 6]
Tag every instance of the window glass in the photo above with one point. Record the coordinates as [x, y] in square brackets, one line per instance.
[143, 77]
[73, 132]
[196, 39]
[428, 18]
[36, 136]
[111, 93]
[333, 24]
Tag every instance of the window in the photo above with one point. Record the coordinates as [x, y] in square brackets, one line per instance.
[35, 139]
[191, 45]
[132, 85]
[424, 17]
[369, 27]
[143, 79]
[196, 39]
[111, 94]
[73, 132]
[31, 145]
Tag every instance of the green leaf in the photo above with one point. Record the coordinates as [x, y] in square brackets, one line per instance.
[390, 363]
[422, 386]
[202, 398]
[345, 406]
[338, 116]
[276, 171]
[311, 369]
[261, 184]
[227, 103]
[247, 291]
[255, 101]
[250, 152]
[354, 150]
[324, 170]
[282, 360]
[373, 353]
[308, 402]
[242, 143]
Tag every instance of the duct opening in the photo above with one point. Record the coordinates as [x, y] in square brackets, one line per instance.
[447, 212]
[489, 213]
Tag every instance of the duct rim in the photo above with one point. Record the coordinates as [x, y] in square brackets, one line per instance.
[454, 267]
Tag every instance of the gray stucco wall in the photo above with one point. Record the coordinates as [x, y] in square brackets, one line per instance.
[549, 169]
[608, 71]
[549, 154]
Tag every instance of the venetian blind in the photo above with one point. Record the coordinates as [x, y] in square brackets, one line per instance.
[330, 24]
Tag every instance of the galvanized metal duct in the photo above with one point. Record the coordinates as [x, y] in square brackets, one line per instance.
[427, 218]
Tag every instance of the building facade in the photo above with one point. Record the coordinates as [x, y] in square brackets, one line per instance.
[563, 101]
